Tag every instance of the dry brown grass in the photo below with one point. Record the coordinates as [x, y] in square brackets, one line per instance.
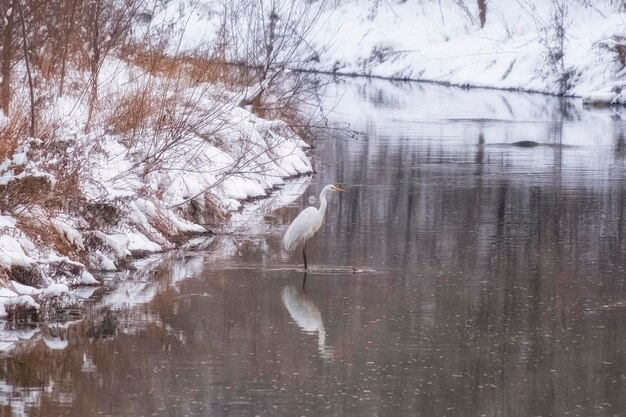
[12, 133]
[131, 112]
[61, 158]
[24, 192]
[210, 214]
[168, 230]
[4, 277]
[21, 314]
[43, 233]
[26, 275]
[196, 68]
[620, 50]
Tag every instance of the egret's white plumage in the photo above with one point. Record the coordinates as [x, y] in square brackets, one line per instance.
[303, 228]
[307, 223]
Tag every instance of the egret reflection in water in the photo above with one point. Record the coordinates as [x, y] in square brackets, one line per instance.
[307, 316]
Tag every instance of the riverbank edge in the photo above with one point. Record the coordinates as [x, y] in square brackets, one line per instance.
[587, 100]
[515, 49]
[34, 275]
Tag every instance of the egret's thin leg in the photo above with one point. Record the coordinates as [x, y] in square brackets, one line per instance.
[304, 256]
[304, 283]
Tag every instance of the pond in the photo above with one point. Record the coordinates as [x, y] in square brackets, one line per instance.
[461, 273]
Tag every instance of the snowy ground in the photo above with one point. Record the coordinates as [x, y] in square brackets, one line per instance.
[519, 46]
[141, 190]
[439, 41]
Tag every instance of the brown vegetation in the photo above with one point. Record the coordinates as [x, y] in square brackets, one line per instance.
[197, 68]
[57, 48]
[11, 134]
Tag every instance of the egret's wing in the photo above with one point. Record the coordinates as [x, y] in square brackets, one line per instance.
[302, 228]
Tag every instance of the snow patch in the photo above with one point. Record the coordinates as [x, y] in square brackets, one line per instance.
[138, 242]
[11, 253]
[55, 290]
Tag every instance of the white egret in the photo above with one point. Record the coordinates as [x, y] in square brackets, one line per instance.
[306, 224]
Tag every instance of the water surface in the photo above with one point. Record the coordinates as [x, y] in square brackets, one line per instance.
[490, 281]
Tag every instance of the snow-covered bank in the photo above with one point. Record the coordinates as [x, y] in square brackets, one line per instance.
[160, 164]
[126, 290]
[573, 48]
[519, 46]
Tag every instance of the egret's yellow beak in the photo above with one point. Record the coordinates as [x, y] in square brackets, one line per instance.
[338, 189]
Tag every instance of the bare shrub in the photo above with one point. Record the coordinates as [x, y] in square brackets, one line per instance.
[373, 11]
[43, 233]
[101, 215]
[49, 37]
[619, 4]
[554, 35]
[11, 134]
[620, 49]
[22, 314]
[615, 44]
[275, 40]
[207, 211]
[463, 7]
[22, 187]
[24, 192]
[26, 275]
[67, 161]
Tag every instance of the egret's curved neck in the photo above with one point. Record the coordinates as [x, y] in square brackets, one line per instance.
[323, 202]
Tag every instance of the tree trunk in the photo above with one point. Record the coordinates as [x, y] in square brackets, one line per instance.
[31, 87]
[68, 34]
[7, 60]
[482, 12]
[95, 66]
